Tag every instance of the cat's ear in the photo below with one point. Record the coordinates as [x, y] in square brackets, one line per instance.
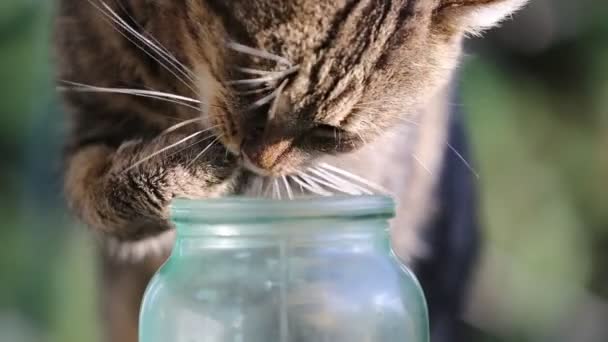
[475, 16]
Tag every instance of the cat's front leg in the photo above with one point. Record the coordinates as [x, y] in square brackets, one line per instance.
[124, 193]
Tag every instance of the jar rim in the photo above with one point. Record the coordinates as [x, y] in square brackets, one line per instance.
[247, 209]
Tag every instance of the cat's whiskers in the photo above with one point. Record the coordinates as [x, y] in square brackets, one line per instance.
[253, 71]
[196, 142]
[459, 155]
[343, 182]
[315, 189]
[154, 45]
[166, 148]
[267, 81]
[327, 183]
[254, 91]
[272, 97]
[287, 187]
[268, 190]
[332, 185]
[160, 46]
[299, 185]
[352, 176]
[200, 154]
[118, 23]
[276, 188]
[244, 49]
[312, 181]
[258, 186]
[463, 159]
[407, 121]
[353, 188]
[269, 78]
[180, 125]
[275, 103]
[152, 94]
[419, 161]
[263, 101]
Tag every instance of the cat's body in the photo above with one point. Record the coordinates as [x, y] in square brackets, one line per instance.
[311, 85]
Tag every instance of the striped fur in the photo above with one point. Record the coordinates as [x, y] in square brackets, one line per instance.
[205, 98]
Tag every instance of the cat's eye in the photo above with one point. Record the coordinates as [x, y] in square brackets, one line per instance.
[329, 132]
[332, 139]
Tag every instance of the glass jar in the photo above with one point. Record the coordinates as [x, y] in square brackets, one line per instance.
[259, 270]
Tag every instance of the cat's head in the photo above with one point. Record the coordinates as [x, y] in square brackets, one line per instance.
[280, 82]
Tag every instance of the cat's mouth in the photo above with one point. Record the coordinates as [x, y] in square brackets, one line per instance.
[281, 171]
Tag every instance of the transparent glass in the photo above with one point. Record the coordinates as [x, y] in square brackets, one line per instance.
[256, 270]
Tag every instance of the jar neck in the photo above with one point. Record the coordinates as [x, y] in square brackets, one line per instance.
[356, 234]
[239, 222]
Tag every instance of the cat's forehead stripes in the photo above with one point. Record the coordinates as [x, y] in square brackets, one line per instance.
[337, 44]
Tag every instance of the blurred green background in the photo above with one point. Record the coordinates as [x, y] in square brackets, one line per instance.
[536, 96]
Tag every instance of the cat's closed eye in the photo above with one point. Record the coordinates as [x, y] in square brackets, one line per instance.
[328, 131]
[329, 138]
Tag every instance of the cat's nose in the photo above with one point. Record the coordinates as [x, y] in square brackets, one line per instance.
[263, 158]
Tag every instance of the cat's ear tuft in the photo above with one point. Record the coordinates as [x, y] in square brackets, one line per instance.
[478, 15]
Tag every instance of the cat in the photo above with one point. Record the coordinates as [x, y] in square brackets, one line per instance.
[208, 98]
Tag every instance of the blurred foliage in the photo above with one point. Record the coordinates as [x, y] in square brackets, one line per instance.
[538, 117]
[47, 287]
[536, 96]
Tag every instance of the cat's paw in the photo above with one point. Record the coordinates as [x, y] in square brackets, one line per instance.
[177, 165]
[204, 169]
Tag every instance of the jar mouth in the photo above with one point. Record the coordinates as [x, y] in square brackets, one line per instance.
[254, 210]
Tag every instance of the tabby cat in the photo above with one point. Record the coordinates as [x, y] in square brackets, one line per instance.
[206, 98]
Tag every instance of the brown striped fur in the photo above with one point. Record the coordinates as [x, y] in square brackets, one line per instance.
[366, 68]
